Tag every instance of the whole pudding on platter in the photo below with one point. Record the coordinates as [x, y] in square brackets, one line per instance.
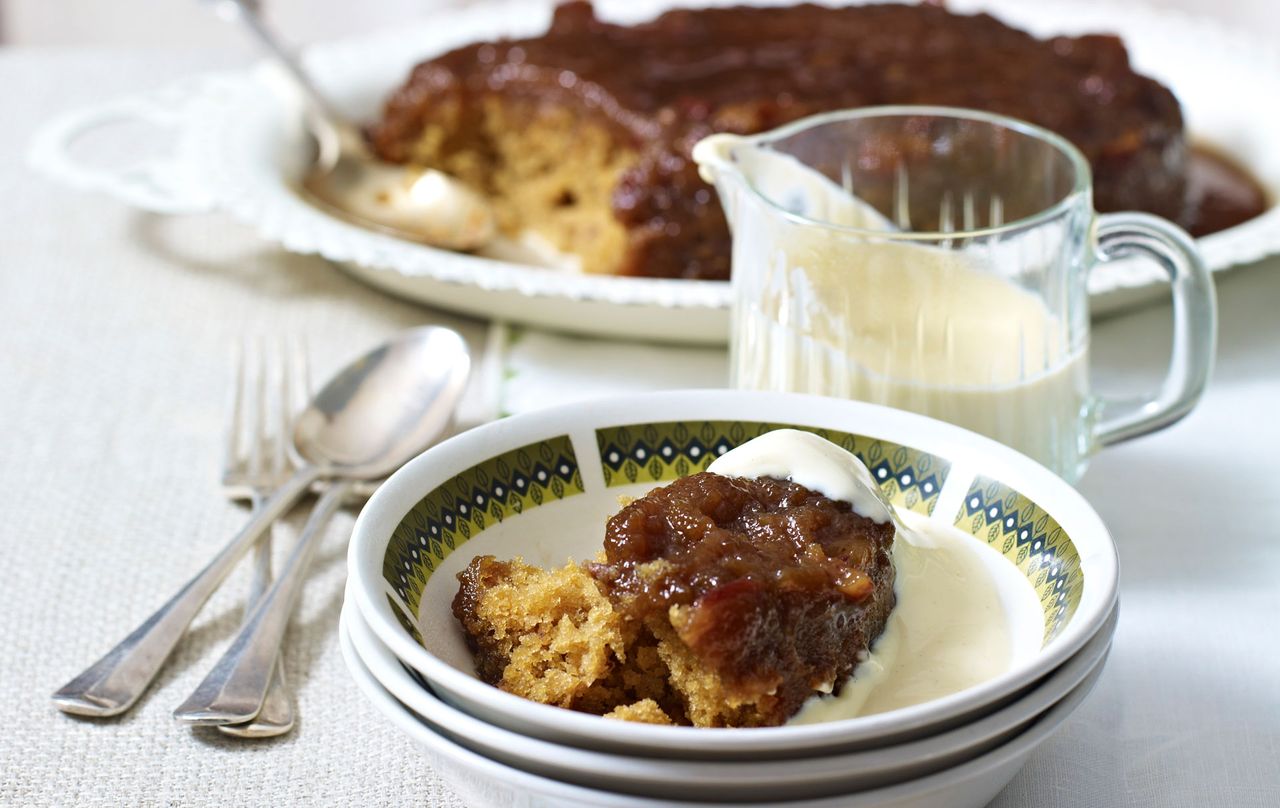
[743, 596]
[581, 137]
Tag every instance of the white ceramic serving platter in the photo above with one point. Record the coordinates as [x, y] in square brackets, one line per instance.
[519, 485]
[239, 147]
[819, 776]
[485, 783]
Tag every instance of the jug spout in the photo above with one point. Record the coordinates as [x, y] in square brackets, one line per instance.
[744, 168]
[714, 155]
[718, 164]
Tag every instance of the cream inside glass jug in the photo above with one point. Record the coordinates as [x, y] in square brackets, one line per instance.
[919, 331]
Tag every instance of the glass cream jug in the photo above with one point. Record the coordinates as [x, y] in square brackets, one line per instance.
[935, 260]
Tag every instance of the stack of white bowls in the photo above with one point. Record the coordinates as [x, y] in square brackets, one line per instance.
[541, 485]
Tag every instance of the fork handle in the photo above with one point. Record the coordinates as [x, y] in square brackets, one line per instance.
[276, 716]
[234, 690]
[113, 684]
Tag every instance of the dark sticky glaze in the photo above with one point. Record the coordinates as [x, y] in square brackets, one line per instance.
[483, 573]
[776, 588]
[1220, 193]
[665, 84]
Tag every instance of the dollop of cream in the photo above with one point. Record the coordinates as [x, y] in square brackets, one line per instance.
[811, 461]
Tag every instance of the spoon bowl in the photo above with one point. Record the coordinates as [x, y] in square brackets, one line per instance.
[411, 203]
[385, 407]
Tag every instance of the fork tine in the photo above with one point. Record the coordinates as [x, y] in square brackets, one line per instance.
[302, 364]
[258, 416]
[280, 409]
[234, 456]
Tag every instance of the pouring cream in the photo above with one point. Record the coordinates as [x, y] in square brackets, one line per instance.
[964, 614]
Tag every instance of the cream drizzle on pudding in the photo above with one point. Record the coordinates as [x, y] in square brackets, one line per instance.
[964, 614]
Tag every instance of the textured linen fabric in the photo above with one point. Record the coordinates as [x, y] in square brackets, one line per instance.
[115, 330]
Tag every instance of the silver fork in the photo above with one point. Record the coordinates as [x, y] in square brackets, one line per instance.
[267, 393]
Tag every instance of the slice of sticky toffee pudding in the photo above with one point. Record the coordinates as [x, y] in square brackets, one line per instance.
[722, 599]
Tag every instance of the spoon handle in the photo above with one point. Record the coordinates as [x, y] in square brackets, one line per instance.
[331, 130]
[112, 684]
[246, 13]
[234, 690]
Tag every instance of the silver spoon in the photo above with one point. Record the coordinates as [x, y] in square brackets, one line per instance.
[347, 180]
[236, 688]
[370, 419]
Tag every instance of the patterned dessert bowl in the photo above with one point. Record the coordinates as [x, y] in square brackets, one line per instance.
[542, 485]
[484, 782]
[712, 780]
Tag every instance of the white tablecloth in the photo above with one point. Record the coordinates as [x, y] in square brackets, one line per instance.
[115, 333]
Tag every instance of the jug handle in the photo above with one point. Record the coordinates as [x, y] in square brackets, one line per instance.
[1195, 324]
